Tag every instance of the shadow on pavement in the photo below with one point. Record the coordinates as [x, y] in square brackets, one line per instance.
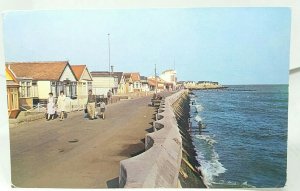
[133, 150]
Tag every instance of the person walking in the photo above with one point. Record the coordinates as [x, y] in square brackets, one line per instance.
[61, 105]
[50, 107]
[109, 97]
[102, 108]
[91, 105]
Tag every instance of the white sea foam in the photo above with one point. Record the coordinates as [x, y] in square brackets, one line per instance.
[198, 118]
[198, 107]
[207, 138]
[210, 165]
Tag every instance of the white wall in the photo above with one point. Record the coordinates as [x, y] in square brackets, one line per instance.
[43, 89]
[103, 82]
[100, 91]
[169, 76]
[67, 74]
[85, 75]
[145, 88]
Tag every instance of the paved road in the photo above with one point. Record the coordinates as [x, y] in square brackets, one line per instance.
[46, 154]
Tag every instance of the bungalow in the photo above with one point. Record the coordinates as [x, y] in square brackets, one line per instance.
[133, 82]
[145, 85]
[128, 83]
[121, 82]
[12, 91]
[37, 79]
[84, 83]
[153, 83]
[104, 81]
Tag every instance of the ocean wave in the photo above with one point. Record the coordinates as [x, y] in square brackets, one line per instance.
[207, 138]
[198, 107]
[231, 184]
[198, 118]
[210, 166]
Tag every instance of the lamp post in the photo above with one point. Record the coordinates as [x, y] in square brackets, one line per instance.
[108, 52]
[108, 39]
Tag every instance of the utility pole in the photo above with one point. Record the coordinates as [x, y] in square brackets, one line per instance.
[109, 61]
[108, 52]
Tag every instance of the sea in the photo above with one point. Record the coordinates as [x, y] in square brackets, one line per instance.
[240, 135]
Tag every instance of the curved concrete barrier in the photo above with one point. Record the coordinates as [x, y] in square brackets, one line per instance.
[159, 165]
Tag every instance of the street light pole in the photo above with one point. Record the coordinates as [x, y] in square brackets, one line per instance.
[108, 39]
[108, 52]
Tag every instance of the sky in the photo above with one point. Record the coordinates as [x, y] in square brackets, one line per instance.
[228, 45]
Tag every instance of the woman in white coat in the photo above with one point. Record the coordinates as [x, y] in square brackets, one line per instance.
[50, 107]
[61, 105]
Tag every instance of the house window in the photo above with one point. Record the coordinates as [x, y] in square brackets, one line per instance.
[90, 86]
[56, 87]
[73, 88]
[25, 89]
[34, 89]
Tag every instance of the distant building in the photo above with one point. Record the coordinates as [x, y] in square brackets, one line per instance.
[128, 83]
[120, 83]
[104, 81]
[84, 83]
[133, 82]
[145, 85]
[207, 83]
[158, 82]
[201, 84]
[37, 79]
[169, 76]
[12, 90]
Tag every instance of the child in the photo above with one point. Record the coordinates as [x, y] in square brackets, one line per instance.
[102, 108]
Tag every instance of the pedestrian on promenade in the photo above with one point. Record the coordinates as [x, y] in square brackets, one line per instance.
[102, 108]
[61, 105]
[50, 107]
[91, 105]
[109, 97]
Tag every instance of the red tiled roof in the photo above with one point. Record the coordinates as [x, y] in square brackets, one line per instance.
[38, 70]
[100, 74]
[135, 76]
[78, 70]
[127, 75]
[151, 82]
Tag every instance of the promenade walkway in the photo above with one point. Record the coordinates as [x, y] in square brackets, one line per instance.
[79, 153]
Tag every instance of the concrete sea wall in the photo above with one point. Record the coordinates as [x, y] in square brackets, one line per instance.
[159, 165]
[170, 156]
[190, 175]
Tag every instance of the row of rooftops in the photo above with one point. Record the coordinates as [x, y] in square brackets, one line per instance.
[53, 70]
[199, 82]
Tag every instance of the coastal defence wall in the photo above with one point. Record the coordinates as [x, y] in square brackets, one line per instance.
[160, 164]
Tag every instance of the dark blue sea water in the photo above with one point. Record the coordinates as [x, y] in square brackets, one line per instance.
[244, 139]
